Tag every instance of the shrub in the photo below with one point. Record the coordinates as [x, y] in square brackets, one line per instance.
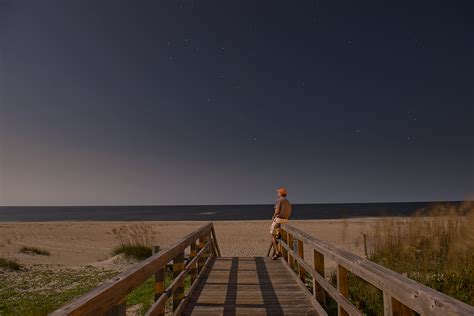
[9, 264]
[34, 251]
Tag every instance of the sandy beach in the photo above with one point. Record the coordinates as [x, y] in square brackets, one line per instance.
[73, 244]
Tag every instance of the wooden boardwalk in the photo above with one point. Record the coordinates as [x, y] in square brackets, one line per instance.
[249, 286]
[259, 285]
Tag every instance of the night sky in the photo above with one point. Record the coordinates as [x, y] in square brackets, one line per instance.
[221, 102]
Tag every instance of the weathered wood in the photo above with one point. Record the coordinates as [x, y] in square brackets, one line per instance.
[192, 255]
[414, 295]
[216, 244]
[387, 305]
[332, 291]
[318, 265]
[159, 285]
[160, 303]
[178, 292]
[101, 299]
[291, 261]
[314, 301]
[118, 310]
[302, 272]
[250, 286]
[201, 260]
[399, 309]
[343, 288]
[284, 240]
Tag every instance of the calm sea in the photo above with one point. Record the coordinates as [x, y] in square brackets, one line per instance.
[207, 212]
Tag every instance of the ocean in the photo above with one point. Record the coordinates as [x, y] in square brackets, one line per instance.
[208, 212]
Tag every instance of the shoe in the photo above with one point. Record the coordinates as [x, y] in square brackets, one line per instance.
[277, 256]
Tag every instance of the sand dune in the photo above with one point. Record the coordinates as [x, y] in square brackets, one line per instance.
[82, 243]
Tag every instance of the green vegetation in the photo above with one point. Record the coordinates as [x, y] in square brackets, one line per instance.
[9, 264]
[38, 292]
[134, 241]
[437, 251]
[435, 248]
[34, 251]
[144, 294]
[138, 252]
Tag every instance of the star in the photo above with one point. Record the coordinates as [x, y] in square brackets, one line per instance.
[358, 130]
[349, 42]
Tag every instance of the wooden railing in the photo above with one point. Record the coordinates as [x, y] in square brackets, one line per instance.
[401, 295]
[110, 297]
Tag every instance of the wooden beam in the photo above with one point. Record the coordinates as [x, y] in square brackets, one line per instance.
[387, 305]
[342, 287]
[283, 240]
[178, 292]
[118, 310]
[318, 265]
[291, 261]
[399, 309]
[302, 272]
[333, 292]
[193, 253]
[201, 260]
[218, 251]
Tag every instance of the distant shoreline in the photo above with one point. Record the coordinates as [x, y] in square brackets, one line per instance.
[211, 212]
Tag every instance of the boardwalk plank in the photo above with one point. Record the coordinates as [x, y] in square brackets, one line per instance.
[249, 286]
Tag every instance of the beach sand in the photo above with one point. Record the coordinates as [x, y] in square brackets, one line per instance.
[74, 244]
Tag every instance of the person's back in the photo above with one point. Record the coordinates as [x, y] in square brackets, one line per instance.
[284, 206]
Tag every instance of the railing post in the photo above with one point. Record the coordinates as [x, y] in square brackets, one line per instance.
[201, 259]
[302, 272]
[178, 293]
[342, 287]
[118, 310]
[193, 254]
[284, 240]
[387, 304]
[318, 264]
[218, 251]
[291, 261]
[159, 286]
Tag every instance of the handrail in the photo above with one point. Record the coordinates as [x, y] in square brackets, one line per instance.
[399, 292]
[111, 295]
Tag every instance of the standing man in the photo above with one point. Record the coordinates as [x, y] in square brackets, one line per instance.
[281, 216]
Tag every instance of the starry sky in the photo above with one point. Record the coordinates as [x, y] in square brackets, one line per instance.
[221, 102]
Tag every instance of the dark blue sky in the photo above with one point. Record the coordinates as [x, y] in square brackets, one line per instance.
[211, 102]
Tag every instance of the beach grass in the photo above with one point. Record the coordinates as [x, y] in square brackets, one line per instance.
[34, 251]
[9, 264]
[437, 251]
[134, 241]
[138, 252]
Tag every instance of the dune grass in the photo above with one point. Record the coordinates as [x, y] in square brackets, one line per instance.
[437, 251]
[34, 251]
[9, 264]
[134, 241]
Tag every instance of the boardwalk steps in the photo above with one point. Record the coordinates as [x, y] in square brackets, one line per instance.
[259, 286]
